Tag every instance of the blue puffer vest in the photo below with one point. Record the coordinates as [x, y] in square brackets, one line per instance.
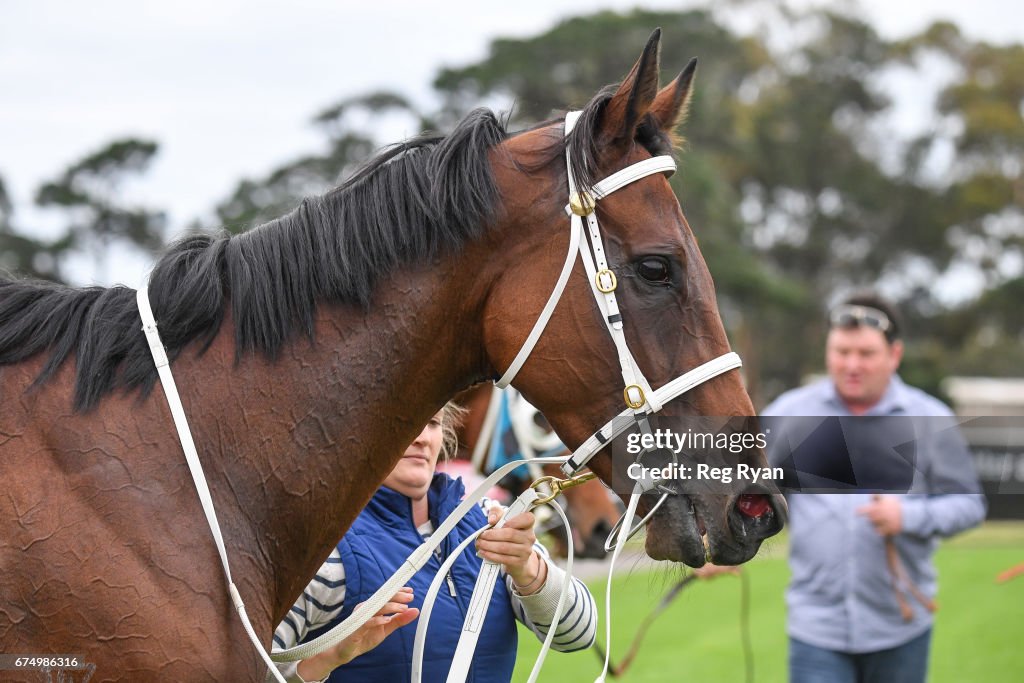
[380, 539]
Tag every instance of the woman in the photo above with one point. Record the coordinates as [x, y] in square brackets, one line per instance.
[413, 501]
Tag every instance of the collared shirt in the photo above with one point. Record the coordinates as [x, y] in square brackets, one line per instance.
[841, 594]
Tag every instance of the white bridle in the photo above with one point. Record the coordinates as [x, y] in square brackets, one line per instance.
[641, 399]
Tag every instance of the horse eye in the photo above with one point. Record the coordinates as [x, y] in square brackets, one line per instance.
[655, 270]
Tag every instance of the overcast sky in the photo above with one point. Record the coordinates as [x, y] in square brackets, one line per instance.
[228, 87]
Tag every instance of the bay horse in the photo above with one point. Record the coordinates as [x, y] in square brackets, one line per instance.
[308, 353]
[591, 510]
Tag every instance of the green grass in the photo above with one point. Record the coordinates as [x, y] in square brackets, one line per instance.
[979, 630]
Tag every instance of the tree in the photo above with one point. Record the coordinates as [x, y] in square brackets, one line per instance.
[89, 192]
[257, 201]
[23, 256]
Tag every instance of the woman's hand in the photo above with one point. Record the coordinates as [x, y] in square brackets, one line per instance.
[512, 547]
[393, 615]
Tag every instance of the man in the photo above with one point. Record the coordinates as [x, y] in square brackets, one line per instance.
[852, 616]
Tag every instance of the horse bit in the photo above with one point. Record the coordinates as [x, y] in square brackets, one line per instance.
[641, 400]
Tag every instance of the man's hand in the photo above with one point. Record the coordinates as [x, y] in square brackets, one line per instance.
[885, 513]
[512, 546]
[710, 571]
[393, 615]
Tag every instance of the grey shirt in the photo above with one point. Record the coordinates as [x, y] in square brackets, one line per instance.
[841, 596]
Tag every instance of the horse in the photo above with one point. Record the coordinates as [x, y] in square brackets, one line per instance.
[591, 510]
[308, 353]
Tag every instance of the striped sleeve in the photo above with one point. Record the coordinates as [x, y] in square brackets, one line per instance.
[578, 625]
[319, 604]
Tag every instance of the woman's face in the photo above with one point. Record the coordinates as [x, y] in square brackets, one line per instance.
[413, 473]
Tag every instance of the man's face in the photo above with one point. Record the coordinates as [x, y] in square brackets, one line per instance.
[860, 362]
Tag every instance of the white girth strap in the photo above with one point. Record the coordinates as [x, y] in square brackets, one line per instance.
[163, 367]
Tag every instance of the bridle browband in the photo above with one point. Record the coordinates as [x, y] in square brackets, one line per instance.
[641, 400]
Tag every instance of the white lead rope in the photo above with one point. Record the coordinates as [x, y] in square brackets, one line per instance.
[414, 563]
[481, 600]
[163, 367]
[366, 610]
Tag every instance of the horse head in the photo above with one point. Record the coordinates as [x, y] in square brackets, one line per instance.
[664, 293]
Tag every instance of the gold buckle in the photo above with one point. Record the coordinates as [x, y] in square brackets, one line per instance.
[556, 486]
[606, 281]
[582, 203]
[631, 402]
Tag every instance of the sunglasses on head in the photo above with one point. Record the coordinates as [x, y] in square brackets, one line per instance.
[853, 315]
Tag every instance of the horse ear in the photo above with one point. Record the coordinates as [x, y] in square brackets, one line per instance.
[634, 97]
[673, 101]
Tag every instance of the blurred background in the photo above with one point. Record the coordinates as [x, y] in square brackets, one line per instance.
[831, 146]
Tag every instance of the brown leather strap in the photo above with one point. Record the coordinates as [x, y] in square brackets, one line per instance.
[901, 582]
[1010, 573]
[641, 632]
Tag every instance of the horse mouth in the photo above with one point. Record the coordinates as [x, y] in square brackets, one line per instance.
[696, 530]
[694, 543]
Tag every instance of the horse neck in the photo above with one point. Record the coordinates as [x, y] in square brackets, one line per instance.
[325, 423]
[316, 431]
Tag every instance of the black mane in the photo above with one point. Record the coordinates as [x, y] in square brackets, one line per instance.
[412, 201]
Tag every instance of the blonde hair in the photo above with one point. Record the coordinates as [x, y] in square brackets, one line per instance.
[451, 420]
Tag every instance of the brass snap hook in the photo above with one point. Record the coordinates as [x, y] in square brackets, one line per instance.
[556, 486]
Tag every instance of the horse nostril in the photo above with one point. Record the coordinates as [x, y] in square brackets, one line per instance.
[602, 528]
[753, 505]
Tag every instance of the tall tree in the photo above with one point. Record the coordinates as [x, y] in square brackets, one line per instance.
[24, 256]
[89, 193]
[348, 144]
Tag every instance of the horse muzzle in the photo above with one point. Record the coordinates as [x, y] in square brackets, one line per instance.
[723, 529]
